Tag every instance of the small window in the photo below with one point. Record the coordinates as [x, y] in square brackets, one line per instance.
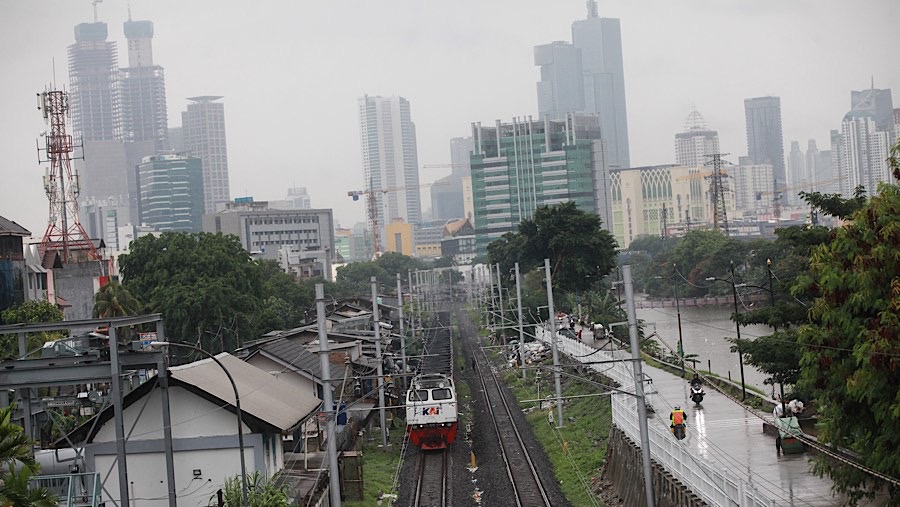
[418, 395]
[441, 394]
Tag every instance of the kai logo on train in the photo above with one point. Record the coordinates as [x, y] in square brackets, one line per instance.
[431, 410]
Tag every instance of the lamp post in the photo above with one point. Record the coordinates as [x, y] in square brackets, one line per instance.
[737, 327]
[237, 405]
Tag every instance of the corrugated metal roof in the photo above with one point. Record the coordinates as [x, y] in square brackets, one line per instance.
[10, 228]
[294, 354]
[262, 395]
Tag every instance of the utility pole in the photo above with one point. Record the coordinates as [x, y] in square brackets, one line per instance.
[521, 329]
[638, 385]
[490, 273]
[678, 311]
[402, 334]
[553, 340]
[500, 299]
[333, 473]
[377, 325]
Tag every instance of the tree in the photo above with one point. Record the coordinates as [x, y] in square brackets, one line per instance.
[29, 312]
[206, 286]
[573, 239]
[32, 312]
[851, 346]
[114, 300]
[18, 466]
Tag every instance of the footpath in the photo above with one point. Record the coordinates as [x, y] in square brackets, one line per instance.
[730, 437]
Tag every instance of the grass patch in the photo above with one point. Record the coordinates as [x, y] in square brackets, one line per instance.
[578, 450]
[379, 467]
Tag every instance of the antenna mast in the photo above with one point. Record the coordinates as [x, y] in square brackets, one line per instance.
[64, 231]
[94, 5]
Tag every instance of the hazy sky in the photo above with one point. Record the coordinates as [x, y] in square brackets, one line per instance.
[291, 73]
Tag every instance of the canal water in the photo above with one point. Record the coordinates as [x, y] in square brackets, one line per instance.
[704, 329]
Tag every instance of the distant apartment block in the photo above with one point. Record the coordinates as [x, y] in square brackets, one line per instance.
[765, 142]
[696, 142]
[390, 160]
[203, 128]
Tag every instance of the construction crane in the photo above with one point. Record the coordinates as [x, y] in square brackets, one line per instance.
[779, 193]
[372, 207]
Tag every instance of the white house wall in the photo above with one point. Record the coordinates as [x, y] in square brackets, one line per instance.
[147, 476]
[191, 415]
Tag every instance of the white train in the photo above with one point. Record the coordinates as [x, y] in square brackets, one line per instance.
[431, 417]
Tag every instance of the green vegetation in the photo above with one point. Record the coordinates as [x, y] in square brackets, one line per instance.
[851, 344]
[578, 450]
[29, 312]
[114, 300]
[262, 492]
[17, 467]
[579, 249]
[379, 467]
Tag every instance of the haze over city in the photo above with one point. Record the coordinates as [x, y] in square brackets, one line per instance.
[291, 75]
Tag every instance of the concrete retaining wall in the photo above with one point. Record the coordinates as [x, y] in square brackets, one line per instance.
[624, 470]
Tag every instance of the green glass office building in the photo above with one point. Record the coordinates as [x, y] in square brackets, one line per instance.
[519, 166]
[170, 191]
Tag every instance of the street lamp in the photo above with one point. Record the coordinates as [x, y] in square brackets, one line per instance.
[237, 404]
[737, 326]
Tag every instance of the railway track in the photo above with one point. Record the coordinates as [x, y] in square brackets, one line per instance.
[523, 475]
[431, 487]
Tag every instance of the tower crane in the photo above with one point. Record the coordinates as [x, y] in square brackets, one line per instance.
[372, 207]
[779, 193]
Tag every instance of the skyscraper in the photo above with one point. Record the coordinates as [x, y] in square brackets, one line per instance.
[697, 141]
[798, 178]
[97, 127]
[765, 144]
[600, 42]
[447, 200]
[879, 102]
[588, 76]
[390, 159]
[144, 113]
[561, 88]
[203, 127]
[93, 78]
[864, 153]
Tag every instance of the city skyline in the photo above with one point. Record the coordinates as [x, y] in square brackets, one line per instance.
[455, 68]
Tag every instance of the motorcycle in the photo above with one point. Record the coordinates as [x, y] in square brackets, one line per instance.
[697, 393]
[679, 431]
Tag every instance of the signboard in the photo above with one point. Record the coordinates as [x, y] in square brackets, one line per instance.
[147, 338]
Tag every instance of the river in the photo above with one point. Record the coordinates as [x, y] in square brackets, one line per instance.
[703, 331]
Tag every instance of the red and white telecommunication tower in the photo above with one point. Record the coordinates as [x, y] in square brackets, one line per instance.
[64, 231]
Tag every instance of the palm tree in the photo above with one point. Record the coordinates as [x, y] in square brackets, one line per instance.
[19, 467]
[114, 300]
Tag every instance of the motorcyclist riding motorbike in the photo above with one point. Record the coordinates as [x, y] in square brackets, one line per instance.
[677, 418]
[697, 389]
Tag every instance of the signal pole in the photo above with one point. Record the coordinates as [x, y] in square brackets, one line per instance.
[377, 325]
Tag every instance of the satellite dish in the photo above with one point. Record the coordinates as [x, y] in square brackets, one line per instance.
[95, 396]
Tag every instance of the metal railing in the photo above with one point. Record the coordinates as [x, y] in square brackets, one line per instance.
[715, 485]
[73, 490]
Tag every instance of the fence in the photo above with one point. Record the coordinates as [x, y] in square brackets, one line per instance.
[72, 490]
[714, 485]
